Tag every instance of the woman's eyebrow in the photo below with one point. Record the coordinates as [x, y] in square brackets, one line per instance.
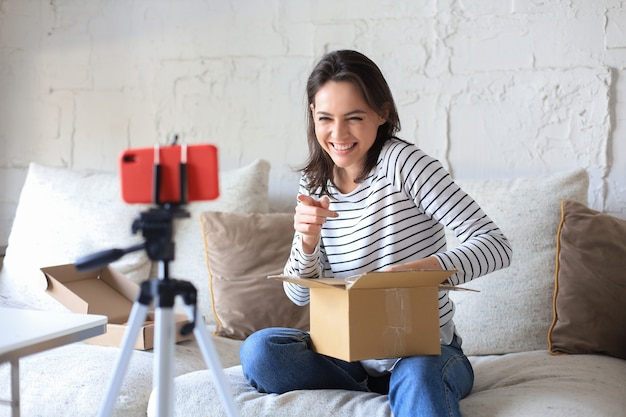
[353, 112]
[350, 113]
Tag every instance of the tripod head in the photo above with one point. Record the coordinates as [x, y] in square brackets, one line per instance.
[156, 225]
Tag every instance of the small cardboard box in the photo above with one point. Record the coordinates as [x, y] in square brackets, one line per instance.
[107, 292]
[376, 315]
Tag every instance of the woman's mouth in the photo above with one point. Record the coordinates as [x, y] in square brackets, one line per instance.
[342, 147]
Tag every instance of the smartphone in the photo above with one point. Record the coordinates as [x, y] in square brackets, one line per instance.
[169, 174]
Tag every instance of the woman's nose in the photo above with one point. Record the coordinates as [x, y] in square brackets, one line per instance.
[339, 129]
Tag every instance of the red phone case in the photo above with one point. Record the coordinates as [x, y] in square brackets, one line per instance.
[137, 172]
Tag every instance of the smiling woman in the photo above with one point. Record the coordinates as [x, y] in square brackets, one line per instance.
[369, 201]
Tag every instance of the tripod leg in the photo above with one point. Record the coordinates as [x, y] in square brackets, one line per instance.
[137, 318]
[163, 376]
[212, 360]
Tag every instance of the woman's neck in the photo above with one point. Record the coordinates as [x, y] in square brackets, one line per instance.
[344, 180]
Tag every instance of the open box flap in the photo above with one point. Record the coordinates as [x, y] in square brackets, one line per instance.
[101, 291]
[311, 282]
[400, 279]
[373, 280]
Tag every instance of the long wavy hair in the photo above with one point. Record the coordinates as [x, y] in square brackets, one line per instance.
[354, 67]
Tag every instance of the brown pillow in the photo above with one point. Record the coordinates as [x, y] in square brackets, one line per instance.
[242, 250]
[589, 312]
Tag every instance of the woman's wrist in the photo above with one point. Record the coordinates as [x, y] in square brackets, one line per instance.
[309, 245]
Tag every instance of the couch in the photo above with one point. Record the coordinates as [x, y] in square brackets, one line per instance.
[545, 336]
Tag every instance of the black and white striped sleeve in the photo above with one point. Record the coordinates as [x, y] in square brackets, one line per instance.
[484, 248]
[302, 265]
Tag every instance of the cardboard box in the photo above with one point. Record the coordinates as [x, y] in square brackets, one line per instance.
[107, 292]
[376, 315]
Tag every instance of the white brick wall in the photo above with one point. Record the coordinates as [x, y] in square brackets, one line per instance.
[491, 87]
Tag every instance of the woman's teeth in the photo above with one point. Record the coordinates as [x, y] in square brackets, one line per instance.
[343, 147]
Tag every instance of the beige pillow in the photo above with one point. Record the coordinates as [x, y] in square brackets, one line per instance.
[589, 312]
[242, 250]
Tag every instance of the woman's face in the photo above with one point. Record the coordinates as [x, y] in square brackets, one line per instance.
[345, 126]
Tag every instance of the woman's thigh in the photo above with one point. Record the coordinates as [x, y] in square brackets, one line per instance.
[278, 360]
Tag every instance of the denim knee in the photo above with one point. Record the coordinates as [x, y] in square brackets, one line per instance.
[254, 344]
[431, 385]
[279, 360]
[267, 349]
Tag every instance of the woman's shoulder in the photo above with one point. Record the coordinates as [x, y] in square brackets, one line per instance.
[403, 163]
[397, 151]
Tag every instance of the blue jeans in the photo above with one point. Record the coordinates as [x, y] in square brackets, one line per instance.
[278, 360]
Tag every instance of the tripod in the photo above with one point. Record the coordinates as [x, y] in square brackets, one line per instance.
[156, 226]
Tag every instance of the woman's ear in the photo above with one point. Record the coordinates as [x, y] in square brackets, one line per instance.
[384, 115]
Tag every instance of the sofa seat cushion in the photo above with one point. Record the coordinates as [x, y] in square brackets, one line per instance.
[512, 385]
[539, 384]
[54, 378]
[72, 380]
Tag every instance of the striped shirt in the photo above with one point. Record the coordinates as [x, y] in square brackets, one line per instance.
[398, 215]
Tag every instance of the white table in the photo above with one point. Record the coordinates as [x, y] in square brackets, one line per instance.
[24, 332]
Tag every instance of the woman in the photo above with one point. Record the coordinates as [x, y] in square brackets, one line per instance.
[369, 201]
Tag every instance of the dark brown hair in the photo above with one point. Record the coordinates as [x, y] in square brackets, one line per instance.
[354, 67]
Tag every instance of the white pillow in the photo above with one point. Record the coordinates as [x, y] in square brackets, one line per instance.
[243, 190]
[63, 214]
[513, 311]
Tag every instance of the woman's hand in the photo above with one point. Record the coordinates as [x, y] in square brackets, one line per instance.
[430, 263]
[311, 214]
